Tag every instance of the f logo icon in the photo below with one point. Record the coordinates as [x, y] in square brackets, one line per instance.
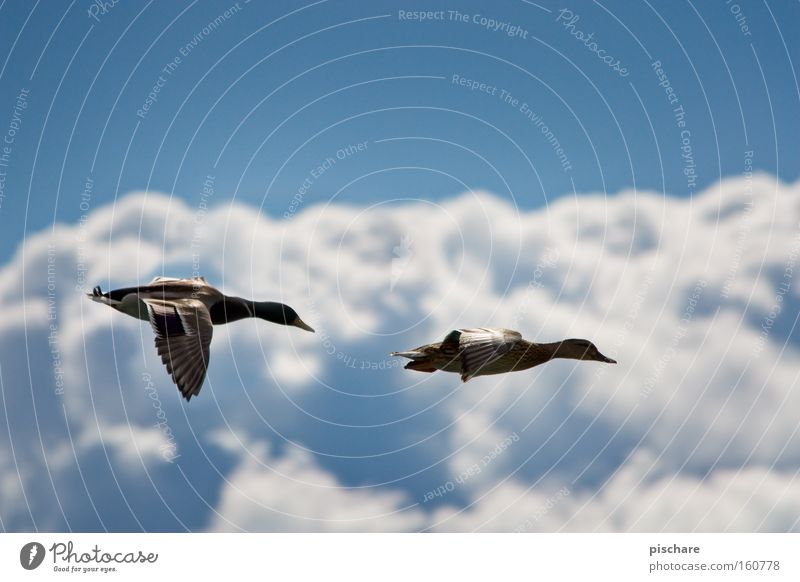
[31, 555]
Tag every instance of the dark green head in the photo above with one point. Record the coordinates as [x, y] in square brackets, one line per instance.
[279, 313]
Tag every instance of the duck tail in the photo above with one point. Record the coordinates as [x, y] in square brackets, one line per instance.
[421, 365]
[100, 297]
[420, 361]
[412, 354]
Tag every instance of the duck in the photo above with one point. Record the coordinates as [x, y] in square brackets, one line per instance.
[486, 351]
[183, 313]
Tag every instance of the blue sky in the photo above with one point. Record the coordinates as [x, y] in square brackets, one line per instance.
[392, 179]
[278, 87]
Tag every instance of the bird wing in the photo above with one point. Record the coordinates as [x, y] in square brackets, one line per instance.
[183, 331]
[482, 346]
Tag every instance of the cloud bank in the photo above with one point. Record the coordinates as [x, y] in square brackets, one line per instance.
[695, 429]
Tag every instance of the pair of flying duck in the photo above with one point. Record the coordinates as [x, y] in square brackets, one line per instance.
[182, 313]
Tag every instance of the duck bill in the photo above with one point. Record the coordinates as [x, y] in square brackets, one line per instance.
[602, 358]
[302, 325]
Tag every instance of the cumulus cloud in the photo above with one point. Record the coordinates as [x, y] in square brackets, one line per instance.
[746, 500]
[695, 297]
[293, 494]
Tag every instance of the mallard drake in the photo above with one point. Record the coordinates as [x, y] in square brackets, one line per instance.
[485, 351]
[182, 313]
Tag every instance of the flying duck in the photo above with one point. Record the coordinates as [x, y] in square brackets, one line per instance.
[182, 313]
[485, 351]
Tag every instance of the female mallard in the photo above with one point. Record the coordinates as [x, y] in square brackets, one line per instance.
[182, 313]
[480, 352]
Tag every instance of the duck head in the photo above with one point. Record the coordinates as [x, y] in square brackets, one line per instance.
[580, 349]
[279, 313]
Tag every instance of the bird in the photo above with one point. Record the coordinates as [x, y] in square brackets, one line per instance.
[484, 351]
[182, 313]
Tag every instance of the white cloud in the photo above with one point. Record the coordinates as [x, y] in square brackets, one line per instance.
[331, 434]
[746, 500]
[292, 494]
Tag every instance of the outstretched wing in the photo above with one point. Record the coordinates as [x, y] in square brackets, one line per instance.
[183, 331]
[480, 347]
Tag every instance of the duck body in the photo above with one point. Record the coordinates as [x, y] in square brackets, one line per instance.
[182, 313]
[131, 300]
[487, 351]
